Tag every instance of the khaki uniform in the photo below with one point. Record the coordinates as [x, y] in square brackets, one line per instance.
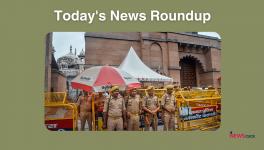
[151, 103]
[133, 111]
[116, 107]
[169, 102]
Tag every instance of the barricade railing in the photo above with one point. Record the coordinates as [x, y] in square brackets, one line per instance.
[59, 114]
[198, 109]
[60, 117]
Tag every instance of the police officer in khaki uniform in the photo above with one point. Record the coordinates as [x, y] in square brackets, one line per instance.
[133, 110]
[115, 111]
[168, 105]
[151, 107]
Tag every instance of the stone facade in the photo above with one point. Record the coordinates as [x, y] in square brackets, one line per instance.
[58, 83]
[189, 58]
[71, 65]
[48, 54]
[55, 81]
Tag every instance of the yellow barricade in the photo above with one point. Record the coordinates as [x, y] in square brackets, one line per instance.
[60, 115]
[55, 97]
[157, 92]
[198, 109]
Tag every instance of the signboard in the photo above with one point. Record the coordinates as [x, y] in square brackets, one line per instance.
[195, 113]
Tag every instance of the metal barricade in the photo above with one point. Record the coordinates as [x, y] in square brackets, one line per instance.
[55, 97]
[198, 109]
[60, 115]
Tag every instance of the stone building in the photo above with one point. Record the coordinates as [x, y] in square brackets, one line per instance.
[55, 81]
[48, 54]
[58, 79]
[189, 58]
[71, 65]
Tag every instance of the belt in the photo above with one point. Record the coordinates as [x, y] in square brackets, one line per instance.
[134, 114]
[115, 117]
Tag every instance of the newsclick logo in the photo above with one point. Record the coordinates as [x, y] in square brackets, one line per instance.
[241, 135]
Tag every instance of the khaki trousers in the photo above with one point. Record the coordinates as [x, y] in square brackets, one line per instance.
[115, 123]
[169, 121]
[133, 123]
[151, 120]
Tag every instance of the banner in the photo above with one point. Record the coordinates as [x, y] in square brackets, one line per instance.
[195, 113]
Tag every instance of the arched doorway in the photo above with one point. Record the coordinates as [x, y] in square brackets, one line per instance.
[190, 71]
[156, 57]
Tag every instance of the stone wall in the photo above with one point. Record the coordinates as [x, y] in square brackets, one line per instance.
[158, 50]
[47, 84]
[58, 81]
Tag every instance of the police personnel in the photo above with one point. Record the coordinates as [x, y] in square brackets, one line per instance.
[151, 107]
[133, 104]
[168, 105]
[115, 111]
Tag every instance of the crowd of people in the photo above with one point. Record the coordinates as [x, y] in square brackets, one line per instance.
[122, 112]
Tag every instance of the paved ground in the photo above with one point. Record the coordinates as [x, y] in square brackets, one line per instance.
[160, 127]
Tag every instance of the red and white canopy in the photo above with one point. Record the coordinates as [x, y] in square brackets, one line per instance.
[99, 78]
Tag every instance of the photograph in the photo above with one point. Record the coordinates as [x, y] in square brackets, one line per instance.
[132, 81]
[132, 75]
